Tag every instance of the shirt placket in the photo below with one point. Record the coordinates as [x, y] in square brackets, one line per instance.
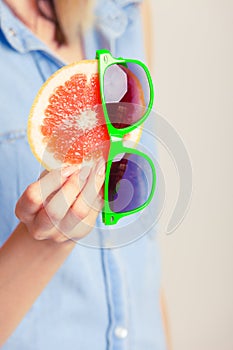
[45, 63]
[117, 332]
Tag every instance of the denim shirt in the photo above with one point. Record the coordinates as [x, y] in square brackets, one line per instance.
[99, 298]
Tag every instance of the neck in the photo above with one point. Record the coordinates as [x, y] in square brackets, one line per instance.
[26, 11]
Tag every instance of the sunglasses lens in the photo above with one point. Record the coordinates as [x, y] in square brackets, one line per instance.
[126, 93]
[130, 182]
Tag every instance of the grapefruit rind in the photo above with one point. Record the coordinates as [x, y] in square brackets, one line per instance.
[36, 138]
[36, 116]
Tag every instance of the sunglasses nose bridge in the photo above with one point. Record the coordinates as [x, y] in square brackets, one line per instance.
[115, 138]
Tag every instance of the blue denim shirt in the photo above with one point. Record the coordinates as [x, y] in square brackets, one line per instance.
[100, 298]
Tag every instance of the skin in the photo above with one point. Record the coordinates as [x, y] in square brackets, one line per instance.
[37, 247]
[26, 11]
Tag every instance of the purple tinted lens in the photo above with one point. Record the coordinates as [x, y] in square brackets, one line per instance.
[130, 182]
[126, 93]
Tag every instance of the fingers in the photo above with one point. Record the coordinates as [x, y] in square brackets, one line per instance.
[75, 205]
[87, 197]
[87, 200]
[84, 226]
[37, 193]
[60, 203]
[53, 180]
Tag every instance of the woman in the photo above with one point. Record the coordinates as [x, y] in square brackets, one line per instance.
[55, 294]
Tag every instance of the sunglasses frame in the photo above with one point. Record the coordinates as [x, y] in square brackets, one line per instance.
[105, 60]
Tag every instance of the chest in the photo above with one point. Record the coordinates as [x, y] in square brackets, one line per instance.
[20, 78]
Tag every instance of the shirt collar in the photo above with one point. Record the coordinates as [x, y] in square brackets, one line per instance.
[16, 33]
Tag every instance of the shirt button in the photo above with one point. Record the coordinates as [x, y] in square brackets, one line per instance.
[12, 32]
[121, 332]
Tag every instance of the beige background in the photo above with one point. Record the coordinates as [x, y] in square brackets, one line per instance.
[193, 74]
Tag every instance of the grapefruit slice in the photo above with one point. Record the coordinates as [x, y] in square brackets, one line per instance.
[66, 124]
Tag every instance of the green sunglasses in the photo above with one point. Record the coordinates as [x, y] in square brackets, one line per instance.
[127, 96]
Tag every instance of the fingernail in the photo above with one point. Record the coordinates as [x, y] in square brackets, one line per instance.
[69, 170]
[101, 167]
[84, 173]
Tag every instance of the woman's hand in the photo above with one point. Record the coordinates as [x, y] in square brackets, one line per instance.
[63, 204]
